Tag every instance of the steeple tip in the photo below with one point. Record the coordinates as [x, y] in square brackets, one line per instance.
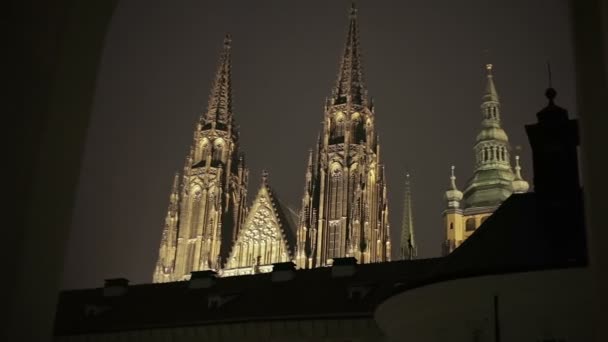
[353, 10]
[227, 40]
[350, 86]
[453, 195]
[490, 95]
[519, 184]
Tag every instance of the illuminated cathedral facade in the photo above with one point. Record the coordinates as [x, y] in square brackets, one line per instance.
[344, 210]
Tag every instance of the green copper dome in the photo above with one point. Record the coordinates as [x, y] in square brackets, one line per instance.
[492, 133]
[493, 178]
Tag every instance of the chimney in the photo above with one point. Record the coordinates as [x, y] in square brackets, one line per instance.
[115, 287]
[554, 140]
[283, 271]
[343, 267]
[202, 279]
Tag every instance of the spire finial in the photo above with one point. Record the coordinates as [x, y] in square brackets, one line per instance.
[264, 177]
[517, 168]
[227, 41]
[219, 108]
[353, 9]
[453, 178]
[519, 184]
[550, 93]
[490, 95]
[350, 86]
[549, 74]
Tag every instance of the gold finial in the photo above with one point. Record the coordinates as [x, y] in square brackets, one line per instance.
[452, 167]
[489, 68]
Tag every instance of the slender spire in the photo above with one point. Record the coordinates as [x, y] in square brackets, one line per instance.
[490, 92]
[220, 99]
[519, 184]
[453, 179]
[350, 86]
[408, 245]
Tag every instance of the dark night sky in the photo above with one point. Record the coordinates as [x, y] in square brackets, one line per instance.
[423, 66]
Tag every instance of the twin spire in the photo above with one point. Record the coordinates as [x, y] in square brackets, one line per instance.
[220, 99]
[350, 86]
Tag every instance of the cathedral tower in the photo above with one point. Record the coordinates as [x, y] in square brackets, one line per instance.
[344, 208]
[493, 180]
[208, 207]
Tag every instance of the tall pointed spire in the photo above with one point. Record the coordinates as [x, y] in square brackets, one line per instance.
[491, 183]
[490, 92]
[350, 85]
[408, 245]
[220, 100]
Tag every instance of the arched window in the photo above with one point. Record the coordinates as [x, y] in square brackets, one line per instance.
[217, 152]
[451, 225]
[337, 129]
[470, 225]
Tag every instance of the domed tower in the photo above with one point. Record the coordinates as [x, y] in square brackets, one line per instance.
[452, 216]
[493, 179]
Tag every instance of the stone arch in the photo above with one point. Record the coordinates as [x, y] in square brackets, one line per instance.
[218, 149]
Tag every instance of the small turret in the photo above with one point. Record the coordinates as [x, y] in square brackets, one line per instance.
[519, 184]
[453, 195]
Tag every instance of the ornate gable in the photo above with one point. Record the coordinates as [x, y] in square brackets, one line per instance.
[264, 239]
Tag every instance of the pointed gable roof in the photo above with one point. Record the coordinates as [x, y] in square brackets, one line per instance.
[266, 206]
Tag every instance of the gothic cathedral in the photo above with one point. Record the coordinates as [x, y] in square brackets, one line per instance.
[344, 207]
